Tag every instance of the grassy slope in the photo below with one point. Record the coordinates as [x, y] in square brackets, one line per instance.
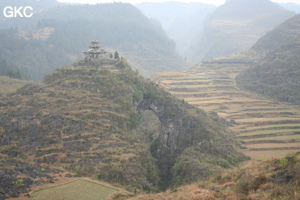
[9, 85]
[72, 124]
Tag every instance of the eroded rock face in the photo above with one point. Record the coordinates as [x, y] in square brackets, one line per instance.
[183, 127]
[170, 141]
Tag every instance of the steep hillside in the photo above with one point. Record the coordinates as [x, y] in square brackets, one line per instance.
[236, 26]
[64, 32]
[182, 21]
[282, 34]
[276, 75]
[270, 179]
[85, 118]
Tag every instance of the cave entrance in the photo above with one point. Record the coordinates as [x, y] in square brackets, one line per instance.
[149, 127]
[149, 131]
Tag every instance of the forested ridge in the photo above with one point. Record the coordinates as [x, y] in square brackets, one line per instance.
[118, 26]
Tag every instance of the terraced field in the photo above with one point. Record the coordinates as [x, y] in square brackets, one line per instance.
[268, 128]
[78, 189]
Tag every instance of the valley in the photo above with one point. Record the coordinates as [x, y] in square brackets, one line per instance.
[267, 128]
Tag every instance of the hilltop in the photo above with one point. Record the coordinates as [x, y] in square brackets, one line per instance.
[58, 35]
[235, 26]
[90, 118]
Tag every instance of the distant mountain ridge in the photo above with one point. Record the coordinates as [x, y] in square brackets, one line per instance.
[236, 26]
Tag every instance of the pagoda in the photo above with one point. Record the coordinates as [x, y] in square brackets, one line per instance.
[94, 50]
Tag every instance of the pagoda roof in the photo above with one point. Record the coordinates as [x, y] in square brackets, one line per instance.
[94, 41]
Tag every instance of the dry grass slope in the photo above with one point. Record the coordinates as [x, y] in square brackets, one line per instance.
[9, 85]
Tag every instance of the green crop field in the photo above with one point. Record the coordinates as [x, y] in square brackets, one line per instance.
[79, 189]
[212, 88]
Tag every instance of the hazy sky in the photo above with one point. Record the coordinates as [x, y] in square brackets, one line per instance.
[216, 2]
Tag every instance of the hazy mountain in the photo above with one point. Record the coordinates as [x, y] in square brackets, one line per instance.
[90, 118]
[291, 6]
[181, 21]
[277, 74]
[236, 26]
[59, 35]
[282, 34]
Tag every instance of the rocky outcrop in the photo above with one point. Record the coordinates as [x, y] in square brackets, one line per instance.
[184, 127]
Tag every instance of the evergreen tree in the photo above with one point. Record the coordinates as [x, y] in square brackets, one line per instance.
[116, 56]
